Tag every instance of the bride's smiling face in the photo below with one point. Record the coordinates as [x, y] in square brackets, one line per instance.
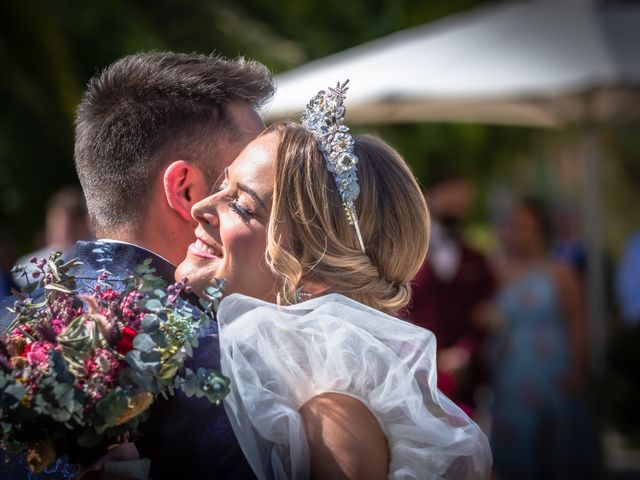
[231, 236]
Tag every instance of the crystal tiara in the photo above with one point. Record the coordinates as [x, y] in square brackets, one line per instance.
[324, 118]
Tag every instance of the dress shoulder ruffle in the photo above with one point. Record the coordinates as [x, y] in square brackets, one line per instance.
[278, 358]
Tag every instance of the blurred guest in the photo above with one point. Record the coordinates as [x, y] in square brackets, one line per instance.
[628, 282]
[66, 222]
[568, 246]
[541, 428]
[452, 288]
[621, 384]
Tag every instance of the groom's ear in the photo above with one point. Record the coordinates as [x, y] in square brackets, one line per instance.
[184, 185]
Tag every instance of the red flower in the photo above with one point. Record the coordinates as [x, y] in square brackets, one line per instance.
[125, 344]
[109, 295]
[27, 350]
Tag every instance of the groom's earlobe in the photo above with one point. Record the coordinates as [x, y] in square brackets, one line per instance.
[184, 185]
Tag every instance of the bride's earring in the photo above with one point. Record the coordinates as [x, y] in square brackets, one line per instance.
[299, 295]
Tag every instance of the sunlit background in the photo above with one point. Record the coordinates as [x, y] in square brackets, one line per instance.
[537, 98]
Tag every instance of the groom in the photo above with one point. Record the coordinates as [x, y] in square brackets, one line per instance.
[154, 132]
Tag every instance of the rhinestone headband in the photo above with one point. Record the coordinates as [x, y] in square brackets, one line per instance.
[324, 118]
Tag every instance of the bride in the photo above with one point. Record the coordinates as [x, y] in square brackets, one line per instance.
[317, 236]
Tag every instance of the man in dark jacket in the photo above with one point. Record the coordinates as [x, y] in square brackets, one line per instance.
[452, 289]
[154, 132]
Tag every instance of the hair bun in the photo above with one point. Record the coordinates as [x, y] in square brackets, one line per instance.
[307, 212]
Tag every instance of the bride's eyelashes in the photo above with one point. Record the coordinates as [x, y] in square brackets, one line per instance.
[243, 212]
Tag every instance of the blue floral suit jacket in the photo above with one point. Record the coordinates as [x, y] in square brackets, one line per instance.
[183, 437]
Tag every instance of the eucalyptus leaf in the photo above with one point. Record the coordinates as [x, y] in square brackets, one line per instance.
[16, 391]
[189, 383]
[150, 322]
[133, 359]
[154, 305]
[112, 406]
[144, 343]
[160, 293]
[143, 361]
[144, 380]
[151, 360]
[59, 414]
[159, 338]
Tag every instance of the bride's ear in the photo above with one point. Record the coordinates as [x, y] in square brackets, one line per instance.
[184, 185]
[313, 286]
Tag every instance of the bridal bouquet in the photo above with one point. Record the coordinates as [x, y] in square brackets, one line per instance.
[78, 371]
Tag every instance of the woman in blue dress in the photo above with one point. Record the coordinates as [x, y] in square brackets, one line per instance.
[540, 358]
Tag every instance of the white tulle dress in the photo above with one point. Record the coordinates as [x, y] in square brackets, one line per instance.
[278, 358]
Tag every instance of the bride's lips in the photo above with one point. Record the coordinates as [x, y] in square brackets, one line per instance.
[202, 249]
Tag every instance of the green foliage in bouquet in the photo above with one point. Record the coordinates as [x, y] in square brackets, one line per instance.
[78, 371]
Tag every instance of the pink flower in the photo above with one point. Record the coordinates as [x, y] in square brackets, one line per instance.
[100, 374]
[108, 295]
[57, 325]
[19, 331]
[38, 353]
[131, 312]
[108, 368]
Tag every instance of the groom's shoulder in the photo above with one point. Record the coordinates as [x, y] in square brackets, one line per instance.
[102, 256]
[6, 317]
[121, 260]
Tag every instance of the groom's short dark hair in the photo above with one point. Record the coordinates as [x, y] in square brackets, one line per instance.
[147, 106]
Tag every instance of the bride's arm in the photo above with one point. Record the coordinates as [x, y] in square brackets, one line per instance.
[345, 440]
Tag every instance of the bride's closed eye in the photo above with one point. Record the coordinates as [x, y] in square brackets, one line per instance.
[241, 210]
[244, 211]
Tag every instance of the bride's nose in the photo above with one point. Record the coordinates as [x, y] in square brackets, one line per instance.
[205, 211]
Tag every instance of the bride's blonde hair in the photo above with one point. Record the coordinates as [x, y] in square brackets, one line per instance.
[309, 235]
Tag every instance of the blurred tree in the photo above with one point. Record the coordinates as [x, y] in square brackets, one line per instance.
[50, 48]
[48, 51]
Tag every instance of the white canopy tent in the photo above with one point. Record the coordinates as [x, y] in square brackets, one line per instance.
[529, 63]
[545, 63]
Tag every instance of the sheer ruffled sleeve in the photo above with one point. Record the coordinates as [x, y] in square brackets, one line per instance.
[278, 358]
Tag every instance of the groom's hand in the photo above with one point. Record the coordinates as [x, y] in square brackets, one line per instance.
[124, 452]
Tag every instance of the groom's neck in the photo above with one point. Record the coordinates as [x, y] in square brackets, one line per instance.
[165, 245]
[160, 230]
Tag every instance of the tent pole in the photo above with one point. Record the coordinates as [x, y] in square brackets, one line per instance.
[593, 228]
